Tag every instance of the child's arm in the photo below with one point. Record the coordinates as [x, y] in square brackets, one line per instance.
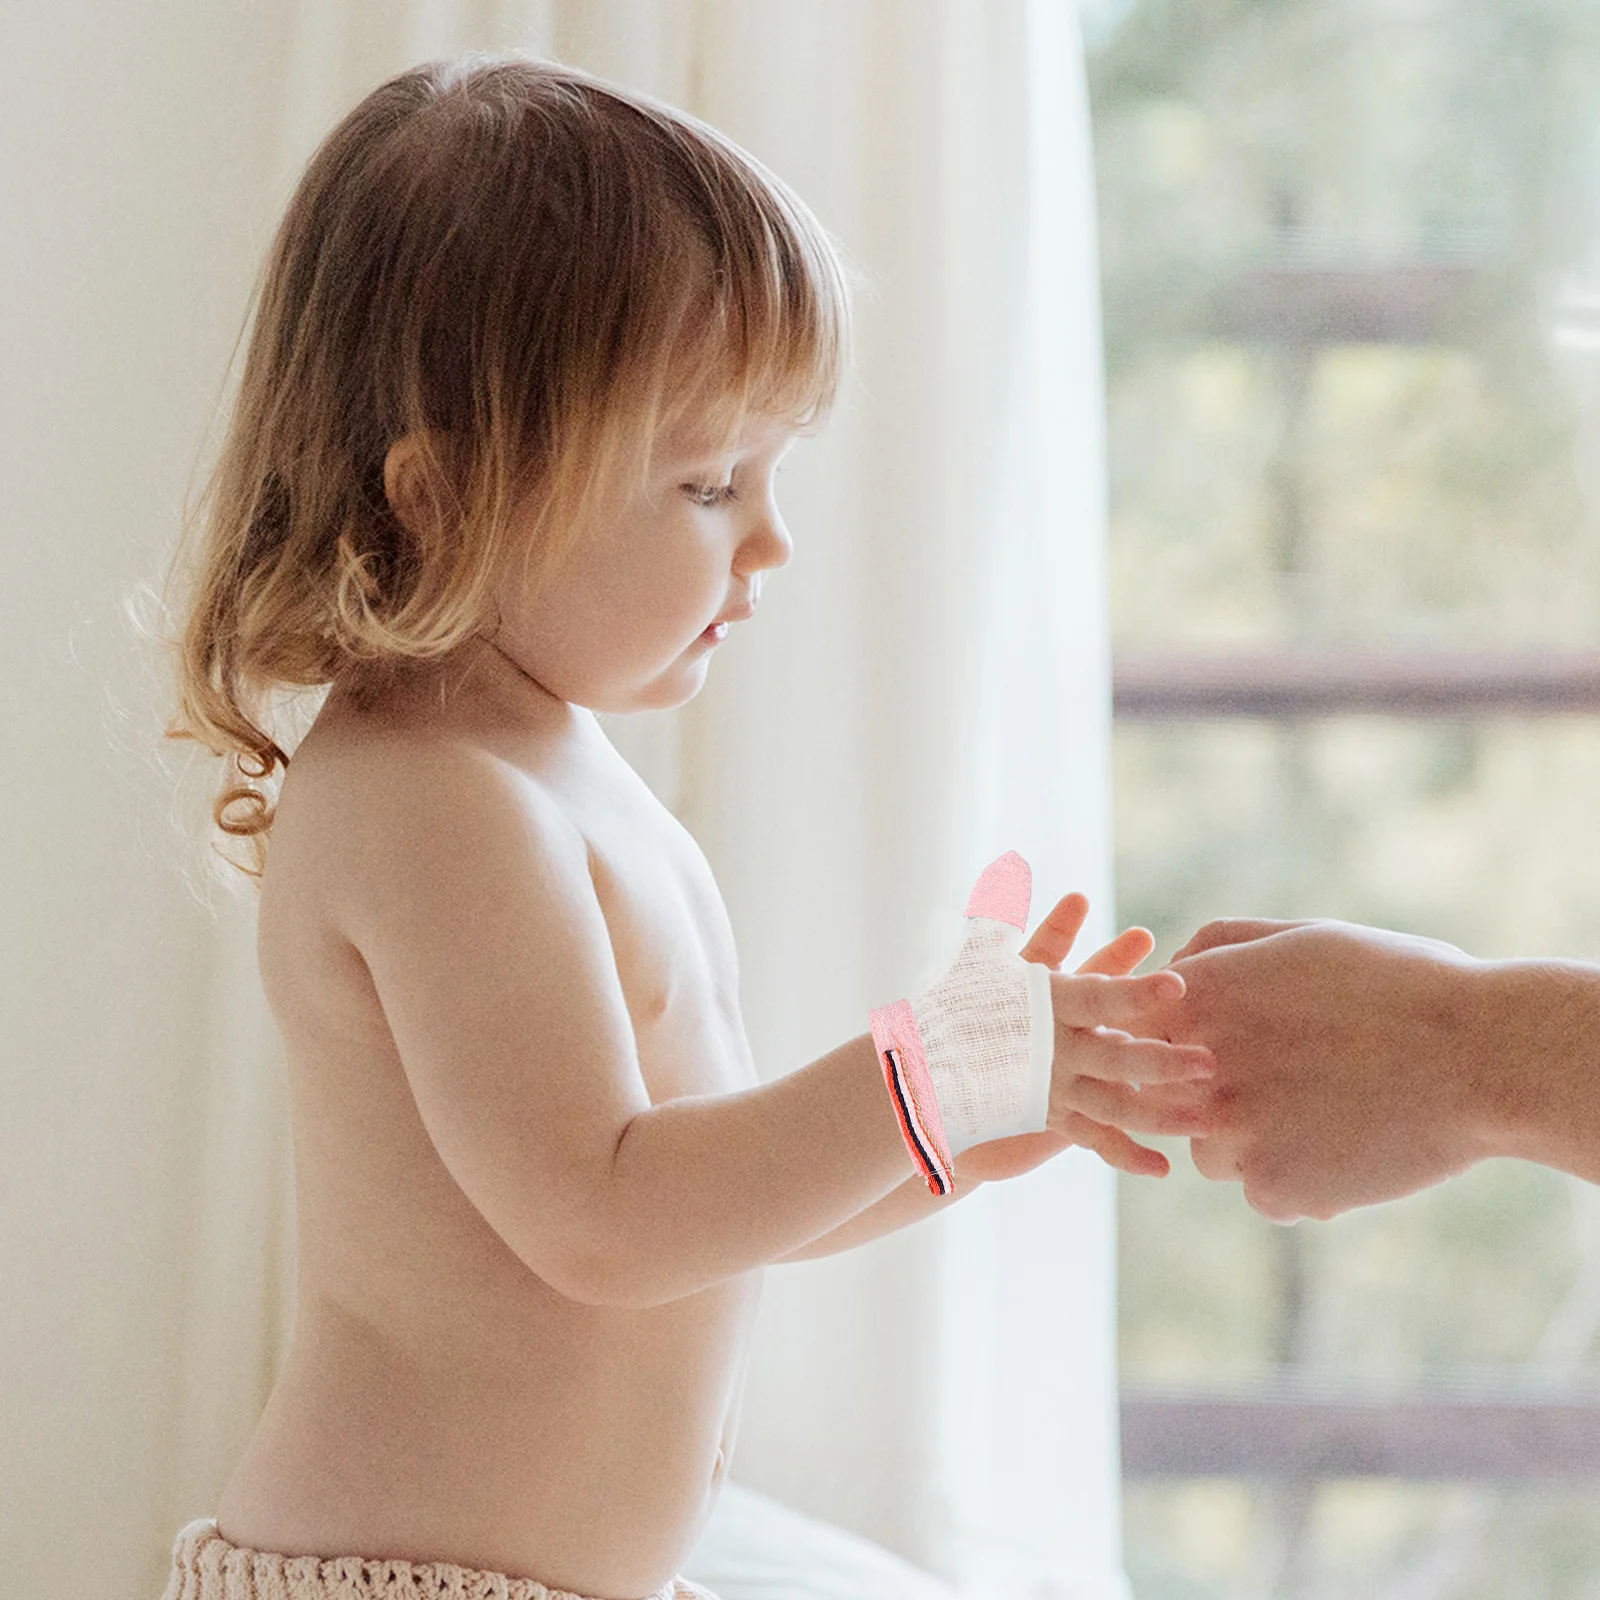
[470, 897]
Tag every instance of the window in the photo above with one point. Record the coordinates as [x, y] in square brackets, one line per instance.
[1351, 366]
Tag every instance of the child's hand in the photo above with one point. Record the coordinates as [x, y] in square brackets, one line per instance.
[1000, 1046]
[1098, 1070]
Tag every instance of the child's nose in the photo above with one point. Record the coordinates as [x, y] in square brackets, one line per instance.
[767, 544]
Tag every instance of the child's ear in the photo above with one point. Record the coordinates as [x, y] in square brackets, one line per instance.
[409, 469]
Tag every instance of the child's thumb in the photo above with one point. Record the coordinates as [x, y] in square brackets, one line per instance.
[1003, 891]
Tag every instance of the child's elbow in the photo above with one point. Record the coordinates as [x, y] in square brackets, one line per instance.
[606, 1285]
[595, 1253]
[590, 1281]
[597, 1273]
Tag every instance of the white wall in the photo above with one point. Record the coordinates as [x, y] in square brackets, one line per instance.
[132, 200]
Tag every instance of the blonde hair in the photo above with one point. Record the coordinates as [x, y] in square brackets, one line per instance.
[515, 265]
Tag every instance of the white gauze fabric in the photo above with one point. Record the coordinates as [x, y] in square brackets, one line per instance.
[988, 1032]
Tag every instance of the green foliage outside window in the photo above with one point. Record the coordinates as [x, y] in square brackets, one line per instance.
[1403, 467]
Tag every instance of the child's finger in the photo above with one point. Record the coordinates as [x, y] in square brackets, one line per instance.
[1123, 1058]
[1169, 1110]
[1122, 955]
[997, 1159]
[1092, 1000]
[1054, 937]
[1115, 1148]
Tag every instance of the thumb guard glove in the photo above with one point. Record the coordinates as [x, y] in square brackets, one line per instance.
[969, 1058]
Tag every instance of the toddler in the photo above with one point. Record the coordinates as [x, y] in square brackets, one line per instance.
[526, 354]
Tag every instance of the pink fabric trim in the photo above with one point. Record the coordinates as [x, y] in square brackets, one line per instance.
[905, 1071]
[1004, 891]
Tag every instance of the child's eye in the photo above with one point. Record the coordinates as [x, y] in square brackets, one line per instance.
[708, 494]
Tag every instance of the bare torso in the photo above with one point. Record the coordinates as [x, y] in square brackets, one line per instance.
[440, 1402]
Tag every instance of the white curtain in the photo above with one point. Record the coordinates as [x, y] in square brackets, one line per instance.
[926, 687]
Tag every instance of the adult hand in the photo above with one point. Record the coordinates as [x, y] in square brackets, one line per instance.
[1353, 1065]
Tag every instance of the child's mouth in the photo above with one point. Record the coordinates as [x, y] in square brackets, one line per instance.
[715, 634]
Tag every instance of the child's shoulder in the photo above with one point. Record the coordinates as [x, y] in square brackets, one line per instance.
[388, 791]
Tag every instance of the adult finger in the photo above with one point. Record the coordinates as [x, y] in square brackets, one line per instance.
[1233, 930]
[1054, 937]
[1170, 1111]
[1093, 1000]
[1216, 1159]
[1274, 1207]
[1122, 955]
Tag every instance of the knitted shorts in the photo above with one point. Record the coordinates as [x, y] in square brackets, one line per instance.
[206, 1567]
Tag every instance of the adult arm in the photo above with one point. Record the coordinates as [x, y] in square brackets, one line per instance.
[1355, 1065]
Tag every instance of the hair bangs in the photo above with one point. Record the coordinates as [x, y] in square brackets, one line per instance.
[767, 330]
